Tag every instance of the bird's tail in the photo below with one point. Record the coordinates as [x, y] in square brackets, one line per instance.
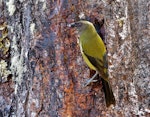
[109, 96]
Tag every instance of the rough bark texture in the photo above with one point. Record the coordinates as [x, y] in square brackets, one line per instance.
[41, 68]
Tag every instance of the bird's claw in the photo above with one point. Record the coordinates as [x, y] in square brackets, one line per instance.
[88, 82]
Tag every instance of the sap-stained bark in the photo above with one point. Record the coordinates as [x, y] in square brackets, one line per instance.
[46, 70]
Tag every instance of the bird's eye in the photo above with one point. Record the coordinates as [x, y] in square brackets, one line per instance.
[79, 24]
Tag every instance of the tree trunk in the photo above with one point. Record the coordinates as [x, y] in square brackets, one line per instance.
[41, 68]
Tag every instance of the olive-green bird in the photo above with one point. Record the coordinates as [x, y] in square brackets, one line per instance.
[94, 54]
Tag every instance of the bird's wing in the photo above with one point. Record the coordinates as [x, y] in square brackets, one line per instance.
[100, 65]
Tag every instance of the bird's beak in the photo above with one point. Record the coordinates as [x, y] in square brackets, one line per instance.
[72, 25]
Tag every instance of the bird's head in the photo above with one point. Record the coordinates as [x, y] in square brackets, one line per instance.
[81, 25]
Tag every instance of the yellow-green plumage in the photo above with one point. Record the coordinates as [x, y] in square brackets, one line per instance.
[90, 44]
[94, 54]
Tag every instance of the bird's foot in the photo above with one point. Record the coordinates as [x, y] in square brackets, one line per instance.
[91, 80]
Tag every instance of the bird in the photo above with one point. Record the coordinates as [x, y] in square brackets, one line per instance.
[94, 54]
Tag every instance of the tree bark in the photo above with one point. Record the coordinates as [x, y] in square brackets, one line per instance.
[41, 68]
